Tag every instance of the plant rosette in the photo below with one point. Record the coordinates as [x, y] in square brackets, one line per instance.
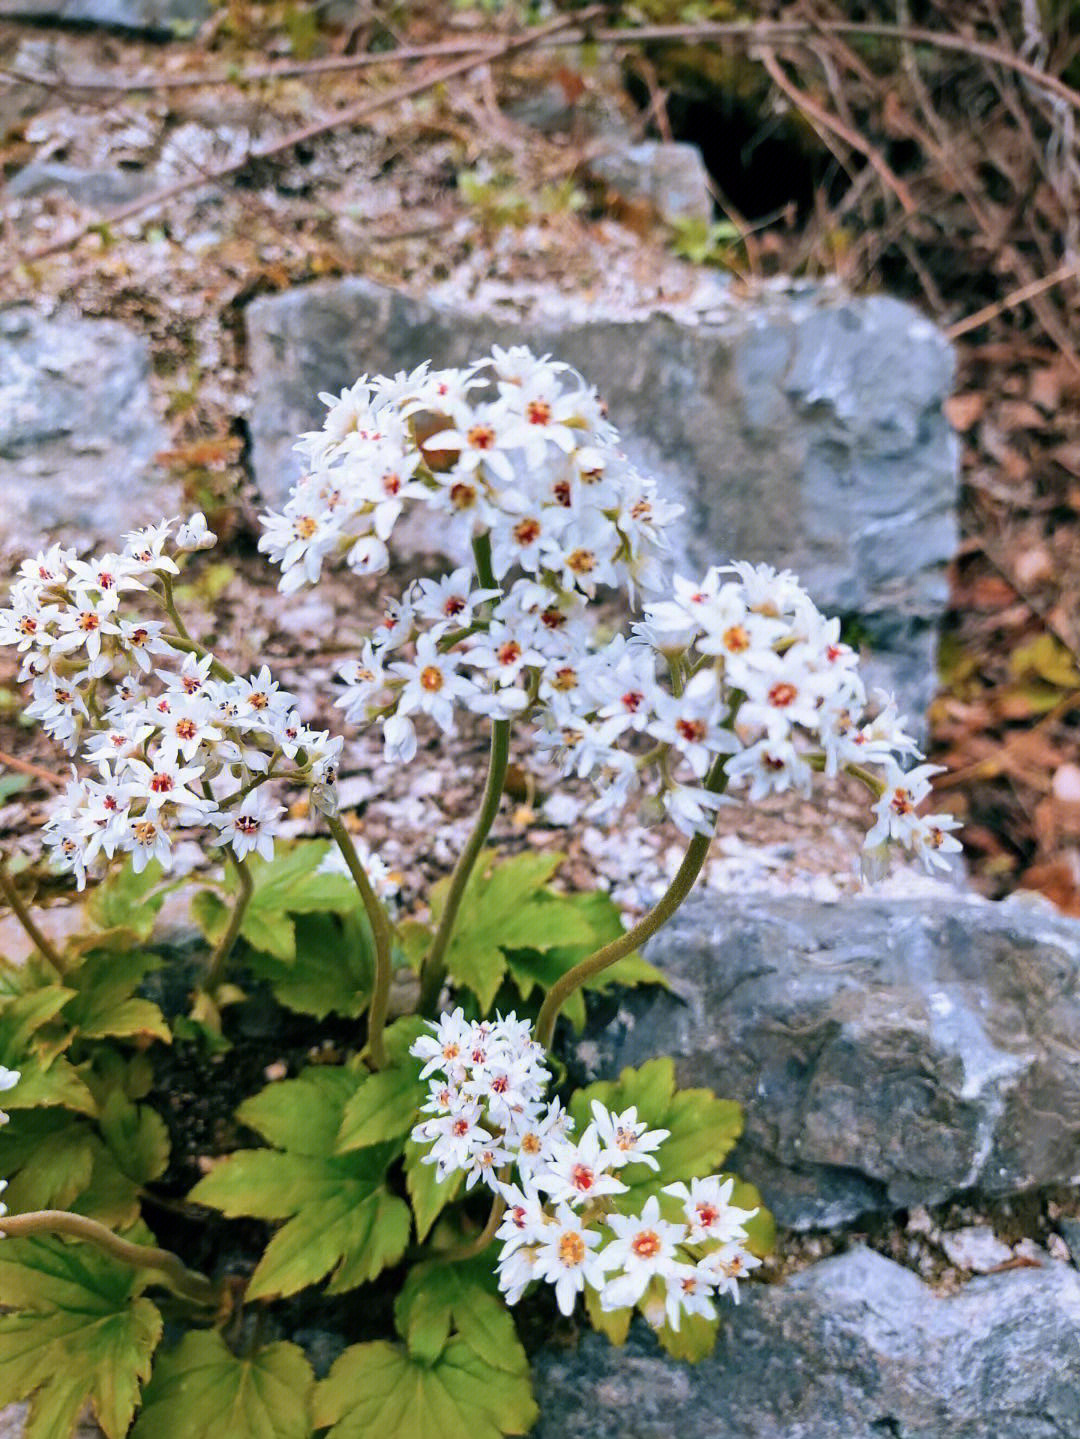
[362, 1232]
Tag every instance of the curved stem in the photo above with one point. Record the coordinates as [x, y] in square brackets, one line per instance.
[188, 1283]
[645, 928]
[218, 959]
[433, 969]
[22, 914]
[383, 936]
[481, 1241]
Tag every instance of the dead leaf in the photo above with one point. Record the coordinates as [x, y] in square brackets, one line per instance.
[963, 411]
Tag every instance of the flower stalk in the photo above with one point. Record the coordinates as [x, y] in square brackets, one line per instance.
[216, 968]
[22, 913]
[433, 970]
[382, 933]
[609, 954]
[185, 1282]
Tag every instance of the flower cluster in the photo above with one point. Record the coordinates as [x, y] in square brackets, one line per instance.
[515, 447]
[173, 741]
[488, 1117]
[736, 682]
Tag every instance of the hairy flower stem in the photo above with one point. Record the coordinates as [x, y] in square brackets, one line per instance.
[383, 935]
[22, 914]
[433, 970]
[187, 1283]
[645, 928]
[216, 968]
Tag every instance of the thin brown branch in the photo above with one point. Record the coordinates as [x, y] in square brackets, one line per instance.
[768, 32]
[352, 115]
[35, 771]
[1025, 293]
[21, 911]
[840, 129]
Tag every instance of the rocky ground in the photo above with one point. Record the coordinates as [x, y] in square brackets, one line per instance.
[907, 1059]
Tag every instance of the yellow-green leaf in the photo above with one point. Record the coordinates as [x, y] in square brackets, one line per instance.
[703, 1127]
[341, 1220]
[81, 1332]
[428, 1195]
[378, 1389]
[201, 1390]
[438, 1299]
[614, 1323]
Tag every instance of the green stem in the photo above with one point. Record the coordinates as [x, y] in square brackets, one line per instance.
[183, 1281]
[645, 928]
[433, 970]
[383, 934]
[480, 1242]
[22, 914]
[215, 969]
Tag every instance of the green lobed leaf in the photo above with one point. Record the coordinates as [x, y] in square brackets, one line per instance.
[761, 1230]
[439, 1298]
[384, 1107]
[105, 1005]
[703, 1127]
[201, 1390]
[48, 1157]
[137, 1136]
[125, 900]
[505, 907]
[289, 885]
[378, 1389]
[428, 1195]
[83, 1332]
[331, 971]
[24, 1014]
[341, 1220]
[211, 914]
[597, 921]
[42, 1084]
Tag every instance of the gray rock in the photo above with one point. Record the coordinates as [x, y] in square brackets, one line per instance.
[159, 18]
[1070, 1231]
[18, 98]
[670, 176]
[13, 1424]
[853, 1348]
[887, 1052]
[96, 189]
[801, 430]
[77, 429]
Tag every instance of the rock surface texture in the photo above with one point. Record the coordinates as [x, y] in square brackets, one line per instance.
[855, 1347]
[77, 429]
[159, 18]
[671, 177]
[802, 430]
[887, 1052]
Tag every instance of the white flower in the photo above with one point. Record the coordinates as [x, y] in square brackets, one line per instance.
[626, 1139]
[709, 1211]
[565, 1259]
[577, 1171]
[249, 827]
[194, 534]
[895, 810]
[644, 1246]
[432, 683]
[688, 1290]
